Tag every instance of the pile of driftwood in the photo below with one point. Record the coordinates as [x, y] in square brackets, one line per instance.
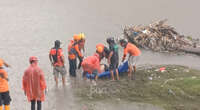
[159, 36]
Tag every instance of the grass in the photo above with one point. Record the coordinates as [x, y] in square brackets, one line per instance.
[178, 88]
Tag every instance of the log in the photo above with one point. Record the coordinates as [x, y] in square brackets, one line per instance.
[191, 50]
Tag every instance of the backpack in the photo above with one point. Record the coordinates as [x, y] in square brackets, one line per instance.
[55, 56]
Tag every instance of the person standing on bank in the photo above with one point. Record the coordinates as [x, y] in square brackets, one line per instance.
[134, 54]
[34, 84]
[56, 58]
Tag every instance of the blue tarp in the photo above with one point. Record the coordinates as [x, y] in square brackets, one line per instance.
[122, 68]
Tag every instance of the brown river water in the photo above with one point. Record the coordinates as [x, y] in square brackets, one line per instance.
[30, 27]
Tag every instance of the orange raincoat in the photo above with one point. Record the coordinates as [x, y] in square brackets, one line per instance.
[34, 83]
[91, 63]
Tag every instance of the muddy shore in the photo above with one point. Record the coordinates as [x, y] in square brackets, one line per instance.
[174, 88]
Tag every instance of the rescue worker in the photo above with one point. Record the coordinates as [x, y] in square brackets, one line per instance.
[134, 54]
[91, 65]
[57, 60]
[4, 89]
[113, 58]
[103, 51]
[73, 53]
[34, 84]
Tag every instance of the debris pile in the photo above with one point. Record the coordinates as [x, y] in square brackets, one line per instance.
[158, 36]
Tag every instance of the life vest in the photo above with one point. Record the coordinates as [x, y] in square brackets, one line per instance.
[56, 55]
[72, 51]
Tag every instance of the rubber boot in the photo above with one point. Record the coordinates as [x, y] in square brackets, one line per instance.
[1, 107]
[7, 107]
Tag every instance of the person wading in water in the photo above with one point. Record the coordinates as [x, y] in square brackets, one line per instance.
[56, 58]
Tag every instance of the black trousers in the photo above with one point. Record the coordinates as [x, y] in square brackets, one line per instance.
[39, 105]
[5, 98]
[72, 67]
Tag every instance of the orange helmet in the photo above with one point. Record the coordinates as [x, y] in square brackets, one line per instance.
[99, 49]
[1, 63]
[100, 45]
[33, 58]
[76, 37]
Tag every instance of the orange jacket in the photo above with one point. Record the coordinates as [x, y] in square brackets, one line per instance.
[132, 50]
[3, 81]
[73, 49]
[34, 83]
[91, 63]
[59, 55]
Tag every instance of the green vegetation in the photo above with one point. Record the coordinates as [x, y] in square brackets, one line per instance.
[176, 88]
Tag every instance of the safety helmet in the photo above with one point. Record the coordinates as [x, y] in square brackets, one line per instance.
[33, 58]
[110, 40]
[82, 36]
[99, 45]
[76, 37]
[1, 63]
[99, 49]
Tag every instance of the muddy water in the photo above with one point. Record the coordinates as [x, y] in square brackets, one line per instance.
[29, 27]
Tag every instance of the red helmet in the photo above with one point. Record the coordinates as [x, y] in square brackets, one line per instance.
[33, 58]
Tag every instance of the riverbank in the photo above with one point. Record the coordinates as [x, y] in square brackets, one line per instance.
[171, 87]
